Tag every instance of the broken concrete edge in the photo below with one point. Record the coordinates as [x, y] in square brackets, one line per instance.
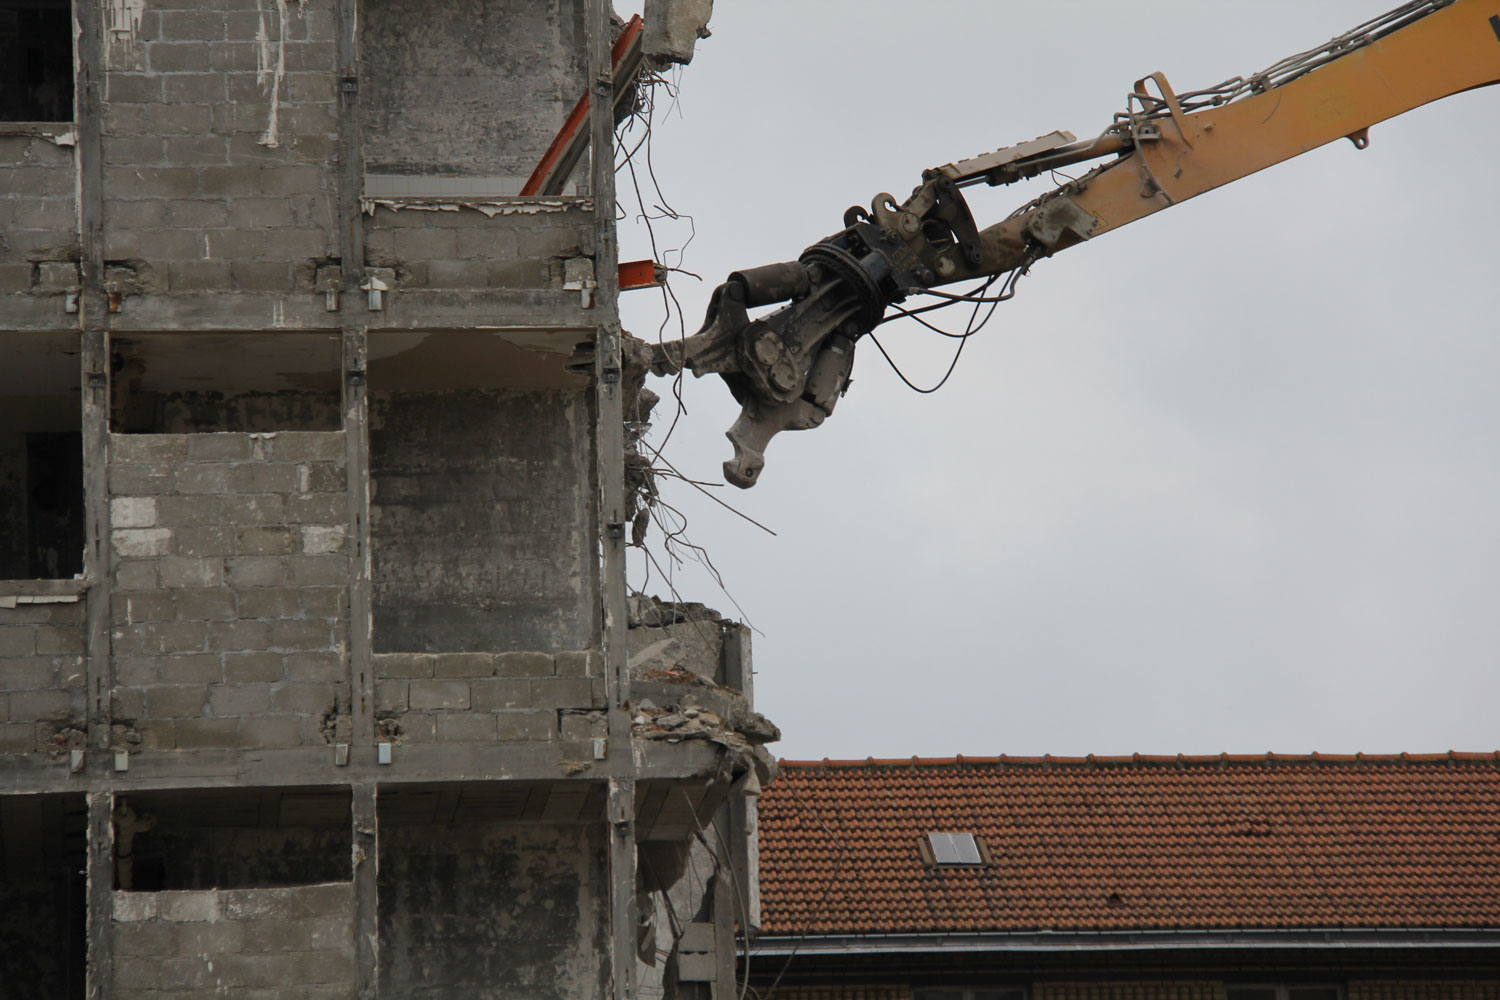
[490, 207]
[673, 28]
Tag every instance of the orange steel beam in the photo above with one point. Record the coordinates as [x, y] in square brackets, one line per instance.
[567, 147]
[641, 274]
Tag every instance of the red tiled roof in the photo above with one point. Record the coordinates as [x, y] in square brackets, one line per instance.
[1135, 843]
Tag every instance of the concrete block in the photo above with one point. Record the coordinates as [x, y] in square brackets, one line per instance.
[17, 641]
[187, 905]
[177, 57]
[457, 273]
[317, 571]
[302, 699]
[269, 602]
[178, 701]
[205, 605]
[526, 726]
[414, 728]
[210, 939]
[561, 692]
[256, 571]
[208, 478]
[141, 543]
[133, 88]
[326, 665]
[390, 697]
[403, 664]
[193, 214]
[137, 575]
[132, 512]
[133, 907]
[318, 539]
[263, 509]
[321, 477]
[523, 664]
[53, 275]
[16, 738]
[147, 480]
[252, 667]
[59, 640]
[463, 664]
[434, 694]
[465, 727]
[500, 694]
[264, 540]
[421, 242]
[236, 700]
[293, 179]
[15, 277]
[203, 540]
[583, 725]
[198, 276]
[158, 734]
[134, 671]
[137, 976]
[37, 706]
[270, 731]
[199, 149]
[312, 634]
[26, 671]
[218, 447]
[304, 446]
[258, 275]
[126, 703]
[190, 668]
[175, 512]
[189, 572]
[240, 634]
[577, 663]
[206, 734]
[317, 508]
[259, 477]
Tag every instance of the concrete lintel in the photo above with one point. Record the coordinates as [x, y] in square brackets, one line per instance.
[27, 313]
[558, 761]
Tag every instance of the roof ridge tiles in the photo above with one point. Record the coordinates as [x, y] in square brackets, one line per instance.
[1090, 760]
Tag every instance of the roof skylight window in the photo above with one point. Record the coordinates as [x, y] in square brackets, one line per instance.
[953, 849]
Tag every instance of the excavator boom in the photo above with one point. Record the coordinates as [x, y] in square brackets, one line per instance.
[788, 368]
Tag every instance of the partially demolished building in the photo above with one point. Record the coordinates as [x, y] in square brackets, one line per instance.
[315, 657]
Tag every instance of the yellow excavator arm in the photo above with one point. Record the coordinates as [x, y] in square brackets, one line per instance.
[787, 369]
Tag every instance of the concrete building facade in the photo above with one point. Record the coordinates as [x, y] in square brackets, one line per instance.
[317, 669]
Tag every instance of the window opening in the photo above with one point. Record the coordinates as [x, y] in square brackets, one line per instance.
[36, 61]
[204, 383]
[232, 839]
[43, 854]
[41, 458]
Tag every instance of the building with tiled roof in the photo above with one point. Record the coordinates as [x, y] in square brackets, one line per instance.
[1363, 877]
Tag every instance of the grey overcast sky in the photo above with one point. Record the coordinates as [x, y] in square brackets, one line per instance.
[1224, 480]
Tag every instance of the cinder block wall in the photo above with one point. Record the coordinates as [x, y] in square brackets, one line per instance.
[480, 697]
[219, 144]
[42, 686]
[1424, 989]
[248, 943]
[1165, 989]
[508, 245]
[229, 612]
[38, 214]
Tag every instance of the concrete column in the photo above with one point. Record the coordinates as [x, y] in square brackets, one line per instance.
[93, 313]
[620, 816]
[357, 464]
[366, 896]
[351, 152]
[100, 871]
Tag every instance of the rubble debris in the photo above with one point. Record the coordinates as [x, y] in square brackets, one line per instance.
[673, 28]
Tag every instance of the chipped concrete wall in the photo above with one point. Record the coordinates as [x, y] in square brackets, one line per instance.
[480, 697]
[247, 943]
[478, 244]
[482, 521]
[220, 138]
[465, 88]
[490, 911]
[38, 215]
[42, 681]
[229, 613]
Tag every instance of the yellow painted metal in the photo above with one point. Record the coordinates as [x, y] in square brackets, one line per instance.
[1450, 50]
